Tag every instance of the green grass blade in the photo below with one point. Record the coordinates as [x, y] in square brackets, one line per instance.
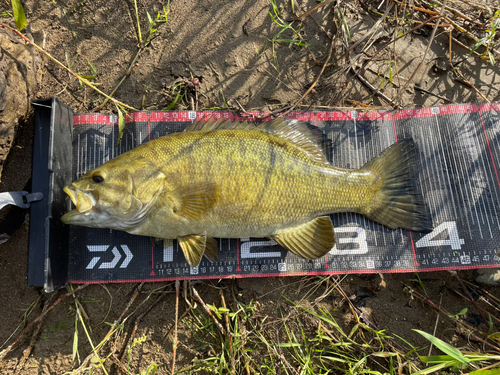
[76, 354]
[492, 58]
[171, 105]
[436, 358]
[289, 344]
[495, 371]
[139, 34]
[446, 348]
[19, 15]
[432, 369]
[121, 124]
[478, 44]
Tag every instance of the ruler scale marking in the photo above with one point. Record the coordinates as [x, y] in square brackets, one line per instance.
[487, 210]
[427, 168]
[458, 163]
[482, 145]
[393, 255]
[447, 170]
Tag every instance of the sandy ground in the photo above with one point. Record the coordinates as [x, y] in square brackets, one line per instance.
[228, 47]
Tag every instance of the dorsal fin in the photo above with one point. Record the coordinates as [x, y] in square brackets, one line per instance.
[296, 132]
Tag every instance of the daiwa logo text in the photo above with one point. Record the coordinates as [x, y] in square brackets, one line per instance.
[116, 253]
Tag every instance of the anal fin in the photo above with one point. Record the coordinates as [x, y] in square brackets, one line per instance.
[194, 246]
[311, 240]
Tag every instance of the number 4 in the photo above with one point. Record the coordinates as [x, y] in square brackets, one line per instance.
[453, 240]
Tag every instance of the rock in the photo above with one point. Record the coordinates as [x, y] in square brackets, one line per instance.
[17, 82]
[488, 276]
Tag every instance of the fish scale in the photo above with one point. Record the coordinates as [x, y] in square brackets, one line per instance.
[268, 195]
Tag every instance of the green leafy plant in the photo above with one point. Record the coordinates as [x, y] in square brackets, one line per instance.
[489, 40]
[151, 369]
[420, 283]
[388, 74]
[455, 359]
[459, 314]
[160, 18]
[19, 14]
[275, 15]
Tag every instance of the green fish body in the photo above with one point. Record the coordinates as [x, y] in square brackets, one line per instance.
[231, 180]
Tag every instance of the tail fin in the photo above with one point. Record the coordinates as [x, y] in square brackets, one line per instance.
[396, 202]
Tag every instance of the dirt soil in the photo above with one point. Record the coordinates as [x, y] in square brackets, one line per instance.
[228, 48]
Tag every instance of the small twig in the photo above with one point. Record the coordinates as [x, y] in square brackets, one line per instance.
[418, 88]
[455, 12]
[447, 315]
[196, 97]
[207, 310]
[317, 78]
[456, 41]
[120, 364]
[127, 74]
[310, 11]
[94, 348]
[174, 344]
[280, 351]
[476, 39]
[470, 297]
[420, 9]
[160, 296]
[374, 89]
[467, 83]
[471, 301]
[129, 68]
[129, 304]
[435, 326]
[9, 348]
[453, 23]
[241, 107]
[81, 79]
[112, 330]
[173, 325]
[353, 308]
[396, 38]
[369, 34]
[184, 294]
[229, 335]
[426, 51]
[485, 293]
[34, 337]
[351, 305]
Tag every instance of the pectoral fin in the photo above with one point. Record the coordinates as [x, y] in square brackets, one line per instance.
[193, 201]
[310, 240]
[194, 246]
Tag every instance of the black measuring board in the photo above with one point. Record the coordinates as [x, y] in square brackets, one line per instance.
[458, 174]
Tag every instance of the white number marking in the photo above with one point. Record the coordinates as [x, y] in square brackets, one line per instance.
[453, 240]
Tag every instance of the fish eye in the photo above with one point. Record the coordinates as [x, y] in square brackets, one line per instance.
[97, 179]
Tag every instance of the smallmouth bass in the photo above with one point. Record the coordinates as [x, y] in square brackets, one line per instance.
[219, 179]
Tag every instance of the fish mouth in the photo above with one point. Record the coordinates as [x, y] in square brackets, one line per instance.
[84, 201]
[86, 213]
